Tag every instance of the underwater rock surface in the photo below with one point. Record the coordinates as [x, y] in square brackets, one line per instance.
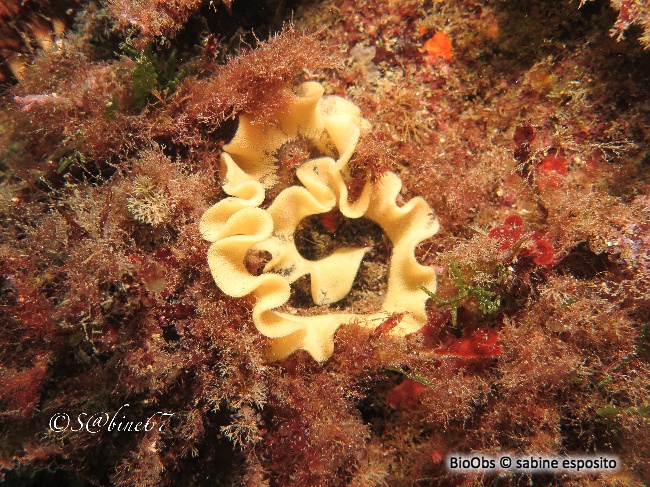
[500, 147]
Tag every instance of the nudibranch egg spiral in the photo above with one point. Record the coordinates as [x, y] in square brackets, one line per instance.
[321, 133]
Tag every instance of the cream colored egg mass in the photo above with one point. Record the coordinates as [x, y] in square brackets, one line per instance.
[331, 125]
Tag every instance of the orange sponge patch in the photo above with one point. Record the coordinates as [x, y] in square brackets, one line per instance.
[439, 46]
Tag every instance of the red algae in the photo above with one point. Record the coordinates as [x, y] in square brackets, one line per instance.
[522, 124]
[473, 344]
[406, 395]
